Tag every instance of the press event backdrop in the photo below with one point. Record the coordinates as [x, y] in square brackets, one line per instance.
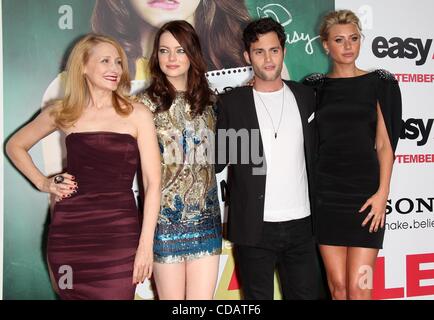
[399, 38]
[37, 36]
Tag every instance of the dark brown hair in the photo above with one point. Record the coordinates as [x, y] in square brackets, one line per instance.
[219, 24]
[161, 91]
[262, 26]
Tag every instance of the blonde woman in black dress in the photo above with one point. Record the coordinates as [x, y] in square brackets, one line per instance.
[359, 120]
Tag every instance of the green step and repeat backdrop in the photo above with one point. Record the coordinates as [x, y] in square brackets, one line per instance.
[37, 36]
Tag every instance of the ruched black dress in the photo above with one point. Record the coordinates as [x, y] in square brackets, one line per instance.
[347, 167]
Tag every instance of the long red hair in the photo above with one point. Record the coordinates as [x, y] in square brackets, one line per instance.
[161, 91]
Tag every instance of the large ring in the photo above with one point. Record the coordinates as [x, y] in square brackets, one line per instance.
[58, 179]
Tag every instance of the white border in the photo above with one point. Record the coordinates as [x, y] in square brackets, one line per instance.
[1, 153]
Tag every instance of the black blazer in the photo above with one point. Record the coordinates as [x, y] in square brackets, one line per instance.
[245, 190]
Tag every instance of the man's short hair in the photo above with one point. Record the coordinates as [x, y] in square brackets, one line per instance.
[262, 26]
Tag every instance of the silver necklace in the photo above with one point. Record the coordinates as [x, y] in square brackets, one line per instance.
[269, 115]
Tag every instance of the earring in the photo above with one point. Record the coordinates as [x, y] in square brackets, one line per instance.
[327, 52]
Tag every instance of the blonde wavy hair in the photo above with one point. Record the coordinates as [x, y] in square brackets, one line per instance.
[338, 17]
[76, 89]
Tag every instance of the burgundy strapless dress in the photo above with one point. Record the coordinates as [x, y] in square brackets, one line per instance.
[93, 235]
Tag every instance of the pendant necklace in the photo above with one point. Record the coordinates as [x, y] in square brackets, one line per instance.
[269, 115]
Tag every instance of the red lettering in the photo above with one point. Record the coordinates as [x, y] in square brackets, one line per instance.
[234, 284]
[414, 77]
[415, 274]
[415, 158]
[398, 158]
[380, 291]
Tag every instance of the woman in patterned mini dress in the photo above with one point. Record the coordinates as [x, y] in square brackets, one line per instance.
[188, 239]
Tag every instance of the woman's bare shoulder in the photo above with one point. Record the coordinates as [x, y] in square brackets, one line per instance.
[140, 111]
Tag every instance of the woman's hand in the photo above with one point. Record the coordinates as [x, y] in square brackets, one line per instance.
[378, 211]
[64, 188]
[143, 263]
[251, 82]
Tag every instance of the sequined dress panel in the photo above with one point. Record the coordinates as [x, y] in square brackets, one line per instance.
[189, 222]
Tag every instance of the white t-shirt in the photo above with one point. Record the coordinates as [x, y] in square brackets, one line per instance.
[286, 190]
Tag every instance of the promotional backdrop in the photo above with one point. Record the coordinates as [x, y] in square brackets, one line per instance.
[398, 37]
[37, 37]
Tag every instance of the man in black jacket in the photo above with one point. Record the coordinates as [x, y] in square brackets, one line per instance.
[266, 135]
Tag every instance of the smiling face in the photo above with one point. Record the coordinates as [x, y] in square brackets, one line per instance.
[103, 70]
[343, 43]
[158, 12]
[266, 57]
[173, 60]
